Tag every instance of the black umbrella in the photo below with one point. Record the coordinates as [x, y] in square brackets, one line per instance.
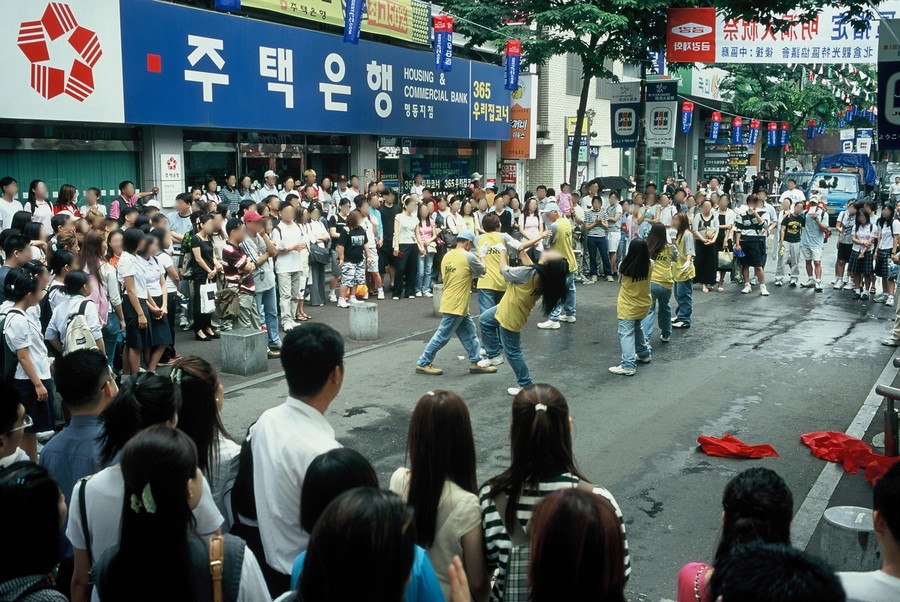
[612, 183]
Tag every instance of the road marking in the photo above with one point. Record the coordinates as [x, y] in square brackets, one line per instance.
[807, 518]
[277, 375]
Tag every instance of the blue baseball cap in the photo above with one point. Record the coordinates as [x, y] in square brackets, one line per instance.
[466, 235]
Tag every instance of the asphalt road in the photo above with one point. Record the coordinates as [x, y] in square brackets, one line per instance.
[765, 369]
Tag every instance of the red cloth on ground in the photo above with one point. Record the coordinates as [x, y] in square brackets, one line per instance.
[730, 446]
[849, 451]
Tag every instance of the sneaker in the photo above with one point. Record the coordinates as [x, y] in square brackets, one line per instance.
[645, 360]
[880, 298]
[411, 297]
[838, 284]
[680, 324]
[857, 294]
[332, 297]
[264, 328]
[808, 284]
[889, 302]
[477, 368]
[428, 294]
[674, 319]
[569, 319]
[665, 338]
[621, 371]
[610, 279]
[548, 325]
[342, 303]
[891, 342]
[513, 391]
[273, 354]
[792, 284]
[429, 369]
[593, 279]
[864, 296]
[380, 294]
[395, 298]
[275, 347]
[747, 288]
[763, 291]
[819, 288]
[289, 326]
[778, 282]
[491, 361]
[754, 281]
[419, 294]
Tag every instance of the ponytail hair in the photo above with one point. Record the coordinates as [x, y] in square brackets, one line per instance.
[142, 401]
[19, 283]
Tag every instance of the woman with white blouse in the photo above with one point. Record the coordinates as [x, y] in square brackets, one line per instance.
[406, 251]
[41, 209]
[726, 216]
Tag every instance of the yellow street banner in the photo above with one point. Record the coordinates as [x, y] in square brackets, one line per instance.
[403, 19]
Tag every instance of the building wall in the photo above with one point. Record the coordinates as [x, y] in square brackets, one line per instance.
[554, 105]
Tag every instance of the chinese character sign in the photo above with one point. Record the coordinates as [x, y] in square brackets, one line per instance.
[662, 102]
[889, 86]
[772, 139]
[443, 42]
[785, 133]
[754, 132]
[691, 36]
[513, 56]
[687, 116]
[714, 126]
[737, 130]
[222, 72]
[624, 108]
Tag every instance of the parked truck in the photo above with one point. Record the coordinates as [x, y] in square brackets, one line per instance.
[841, 177]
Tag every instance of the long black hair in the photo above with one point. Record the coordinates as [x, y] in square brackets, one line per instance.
[636, 264]
[199, 414]
[156, 517]
[142, 401]
[553, 283]
[31, 196]
[29, 498]
[657, 240]
[328, 476]
[886, 221]
[758, 506]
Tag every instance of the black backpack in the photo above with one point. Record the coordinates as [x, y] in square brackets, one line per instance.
[243, 498]
[46, 310]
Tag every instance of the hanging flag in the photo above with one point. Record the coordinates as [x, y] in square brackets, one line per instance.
[737, 130]
[772, 140]
[443, 42]
[811, 129]
[659, 124]
[850, 112]
[873, 114]
[820, 131]
[513, 56]
[754, 132]
[687, 116]
[841, 121]
[353, 20]
[785, 133]
[227, 5]
[714, 126]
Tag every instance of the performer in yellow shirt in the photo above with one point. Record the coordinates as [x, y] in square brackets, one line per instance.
[632, 306]
[458, 268]
[560, 229]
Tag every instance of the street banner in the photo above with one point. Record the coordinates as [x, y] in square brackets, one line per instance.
[785, 133]
[662, 102]
[443, 42]
[737, 130]
[687, 116]
[772, 139]
[353, 20]
[513, 57]
[522, 143]
[864, 140]
[715, 125]
[811, 129]
[889, 86]
[754, 132]
[408, 20]
[624, 108]
[693, 35]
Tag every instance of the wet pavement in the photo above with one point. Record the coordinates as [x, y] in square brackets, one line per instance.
[764, 369]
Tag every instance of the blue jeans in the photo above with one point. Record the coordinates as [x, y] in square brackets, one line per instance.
[464, 329]
[598, 245]
[493, 335]
[112, 336]
[569, 303]
[630, 335]
[488, 299]
[267, 306]
[685, 300]
[659, 298]
[423, 281]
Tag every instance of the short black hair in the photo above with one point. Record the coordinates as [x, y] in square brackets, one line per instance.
[6, 181]
[309, 356]
[233, 224]
[360, 200]
[330, 475]
[14, 243]
[762, 571]
[886, 499]
[58, 221]
[541, 187]
[388, 191]
[128, 210]
[95, 190]
[124, 183]
[75, 281]
[80, 376]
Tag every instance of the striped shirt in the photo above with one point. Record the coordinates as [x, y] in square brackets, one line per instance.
[496, 539]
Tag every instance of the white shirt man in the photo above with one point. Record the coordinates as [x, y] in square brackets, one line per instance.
[895, 189]
[269, 188]
[793, 194]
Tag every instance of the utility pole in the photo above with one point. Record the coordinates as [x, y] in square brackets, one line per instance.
[640, 160]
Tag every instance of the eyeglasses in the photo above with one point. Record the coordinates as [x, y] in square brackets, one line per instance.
[27, 422]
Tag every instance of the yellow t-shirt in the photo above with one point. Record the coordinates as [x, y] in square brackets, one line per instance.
[685, 247]
[634, 299]
[661, 273]
[492, 279]
[517, 303]
[457, 283]
[562, 243]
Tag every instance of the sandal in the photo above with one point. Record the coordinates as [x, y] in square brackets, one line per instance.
[306, 316]
[705, 289]
[720, 288]
[301, 318]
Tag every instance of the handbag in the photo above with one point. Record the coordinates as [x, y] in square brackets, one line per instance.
[319, 254]
[726, 259]
[216, 562]
[207, 297]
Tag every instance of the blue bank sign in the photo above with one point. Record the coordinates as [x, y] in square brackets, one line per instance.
[189, 67]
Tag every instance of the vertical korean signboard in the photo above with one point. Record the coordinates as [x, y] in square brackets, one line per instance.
[662, 103]
[889, 85]
[171, 178]
[624, 108]
[522, 143]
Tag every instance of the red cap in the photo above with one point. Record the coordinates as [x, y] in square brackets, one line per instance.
[252, 216]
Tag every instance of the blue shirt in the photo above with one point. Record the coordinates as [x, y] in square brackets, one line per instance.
[811, 235]
[376, 215]
[423, 584]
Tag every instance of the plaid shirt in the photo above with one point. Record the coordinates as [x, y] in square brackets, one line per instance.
[235, 260]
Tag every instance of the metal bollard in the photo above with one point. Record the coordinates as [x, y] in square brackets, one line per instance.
[891, 419]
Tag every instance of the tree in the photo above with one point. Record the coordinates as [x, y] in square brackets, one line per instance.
[597, 31]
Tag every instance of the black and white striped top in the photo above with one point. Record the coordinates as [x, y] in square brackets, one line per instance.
[496, 539]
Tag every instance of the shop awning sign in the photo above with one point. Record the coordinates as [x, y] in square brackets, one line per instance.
[889, 86]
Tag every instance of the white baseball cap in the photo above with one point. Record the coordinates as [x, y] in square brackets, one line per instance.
[270, 174]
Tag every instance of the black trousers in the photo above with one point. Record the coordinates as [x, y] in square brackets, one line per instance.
[405, 267]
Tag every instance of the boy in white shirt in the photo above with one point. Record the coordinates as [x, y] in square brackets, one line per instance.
[289, 240]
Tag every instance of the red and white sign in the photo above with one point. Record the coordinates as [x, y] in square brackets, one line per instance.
[171, 178]
[691, 35]
[62, 60]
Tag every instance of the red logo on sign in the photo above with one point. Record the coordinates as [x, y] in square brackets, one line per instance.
[78, 80]
[691, 35]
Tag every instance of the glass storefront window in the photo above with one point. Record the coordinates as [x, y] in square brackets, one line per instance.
[445, 165]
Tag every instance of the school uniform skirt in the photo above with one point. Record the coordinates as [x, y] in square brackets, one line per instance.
[862, 265]
[134, 336]
[159, 329]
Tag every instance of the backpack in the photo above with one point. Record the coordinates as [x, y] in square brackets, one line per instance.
[10, 360]
[78, 333]
[44, 306]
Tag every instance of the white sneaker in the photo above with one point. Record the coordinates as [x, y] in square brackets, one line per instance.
[548, 325]
[419, 294]
[342, 302]
[747, 288]
[779, 282]
[332, 297]
[838, 284]
[621, 371]
[889, 302]
[763, 291]
[569, 319]
[513, 391]
[428, 294]
[490, 361]
[819, 286]
[645, 360]
[809, 283]
[380, 294]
